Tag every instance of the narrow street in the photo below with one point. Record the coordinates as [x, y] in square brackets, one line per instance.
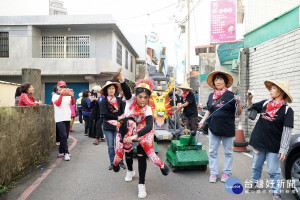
[86, 177]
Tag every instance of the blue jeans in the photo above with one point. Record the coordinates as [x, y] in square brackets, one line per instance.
[111, 143]
[214, 143]
[259, 157]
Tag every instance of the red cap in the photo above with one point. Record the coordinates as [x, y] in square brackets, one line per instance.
[61, 83]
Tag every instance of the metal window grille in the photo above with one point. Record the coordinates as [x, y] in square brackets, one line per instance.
[119, 53]
[131, 64]
[65, 46]
[78, 46]
[126, 59]
[53, 47]
[4, 45]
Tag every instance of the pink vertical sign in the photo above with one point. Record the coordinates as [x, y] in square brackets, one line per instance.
[223, 21]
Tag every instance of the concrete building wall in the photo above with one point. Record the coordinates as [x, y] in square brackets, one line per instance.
[36, 42]
[25, 48]
[207, 62]
[126, 72]
[26, 133]
[276, 59]
[7, 94]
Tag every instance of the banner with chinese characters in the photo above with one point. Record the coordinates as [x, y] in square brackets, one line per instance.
[223, 21]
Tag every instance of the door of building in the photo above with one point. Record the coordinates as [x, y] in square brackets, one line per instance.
[77, 88]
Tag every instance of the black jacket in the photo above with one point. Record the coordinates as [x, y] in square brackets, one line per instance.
[106, 109]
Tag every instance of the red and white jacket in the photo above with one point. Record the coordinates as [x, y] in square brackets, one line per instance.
[27, 99]
[62, 109]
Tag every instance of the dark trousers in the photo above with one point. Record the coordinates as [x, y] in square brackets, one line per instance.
[63, 129]
[142, 163]
[57, 134]
[190, 122]
[80, 116]
[86, 124]
[92, 127]
[99, 130]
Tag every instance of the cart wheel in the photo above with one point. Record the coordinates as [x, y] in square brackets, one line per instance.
[203, 167]
[174, 169]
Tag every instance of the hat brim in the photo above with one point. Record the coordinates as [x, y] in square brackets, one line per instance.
[107, 85]
[144, 88]
[187, 88]
[269, 84]
[210, 77]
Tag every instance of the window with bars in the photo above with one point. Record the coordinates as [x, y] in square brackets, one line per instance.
[131, 64]
[119, 53]
[126, 59]
[4, 45]
[65, 46]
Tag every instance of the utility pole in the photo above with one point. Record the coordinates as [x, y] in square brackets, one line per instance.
[187, 54]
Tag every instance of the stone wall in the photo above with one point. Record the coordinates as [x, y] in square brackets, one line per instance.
[25, 134]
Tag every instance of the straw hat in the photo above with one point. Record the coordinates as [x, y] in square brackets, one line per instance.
[284, 85]
[108, 83]
[210, 77]
[185, 85]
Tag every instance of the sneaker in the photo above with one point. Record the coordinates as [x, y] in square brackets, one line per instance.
[116, 168]
[122, 166]
[213, 178]
[165, 170]
[110, 167]
[60, 155]
[86, 134]
[142, 191]
[96, 142]
[67, 157]
[276, 196]
[129, 175]
[57, 143]
[224, 178]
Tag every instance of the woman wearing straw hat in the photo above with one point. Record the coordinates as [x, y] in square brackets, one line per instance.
[111, 109]
[188, 103]
[271, 134]
[222, 123]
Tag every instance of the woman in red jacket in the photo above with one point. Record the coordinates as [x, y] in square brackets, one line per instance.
[26, 98]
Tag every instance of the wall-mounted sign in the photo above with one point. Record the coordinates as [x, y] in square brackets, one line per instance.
[223, 21]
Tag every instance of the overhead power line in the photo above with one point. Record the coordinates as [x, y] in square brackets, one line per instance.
[149, 13]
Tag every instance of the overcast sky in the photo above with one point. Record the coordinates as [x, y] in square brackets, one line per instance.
[135, 18]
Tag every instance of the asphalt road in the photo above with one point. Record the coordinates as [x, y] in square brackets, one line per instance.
[86, 177]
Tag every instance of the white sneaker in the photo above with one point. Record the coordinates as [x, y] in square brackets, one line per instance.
[142, 191]
[129, 175]
[67, 157]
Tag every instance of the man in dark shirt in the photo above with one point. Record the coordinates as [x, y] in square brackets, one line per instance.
[177, 99]
[188, 103]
